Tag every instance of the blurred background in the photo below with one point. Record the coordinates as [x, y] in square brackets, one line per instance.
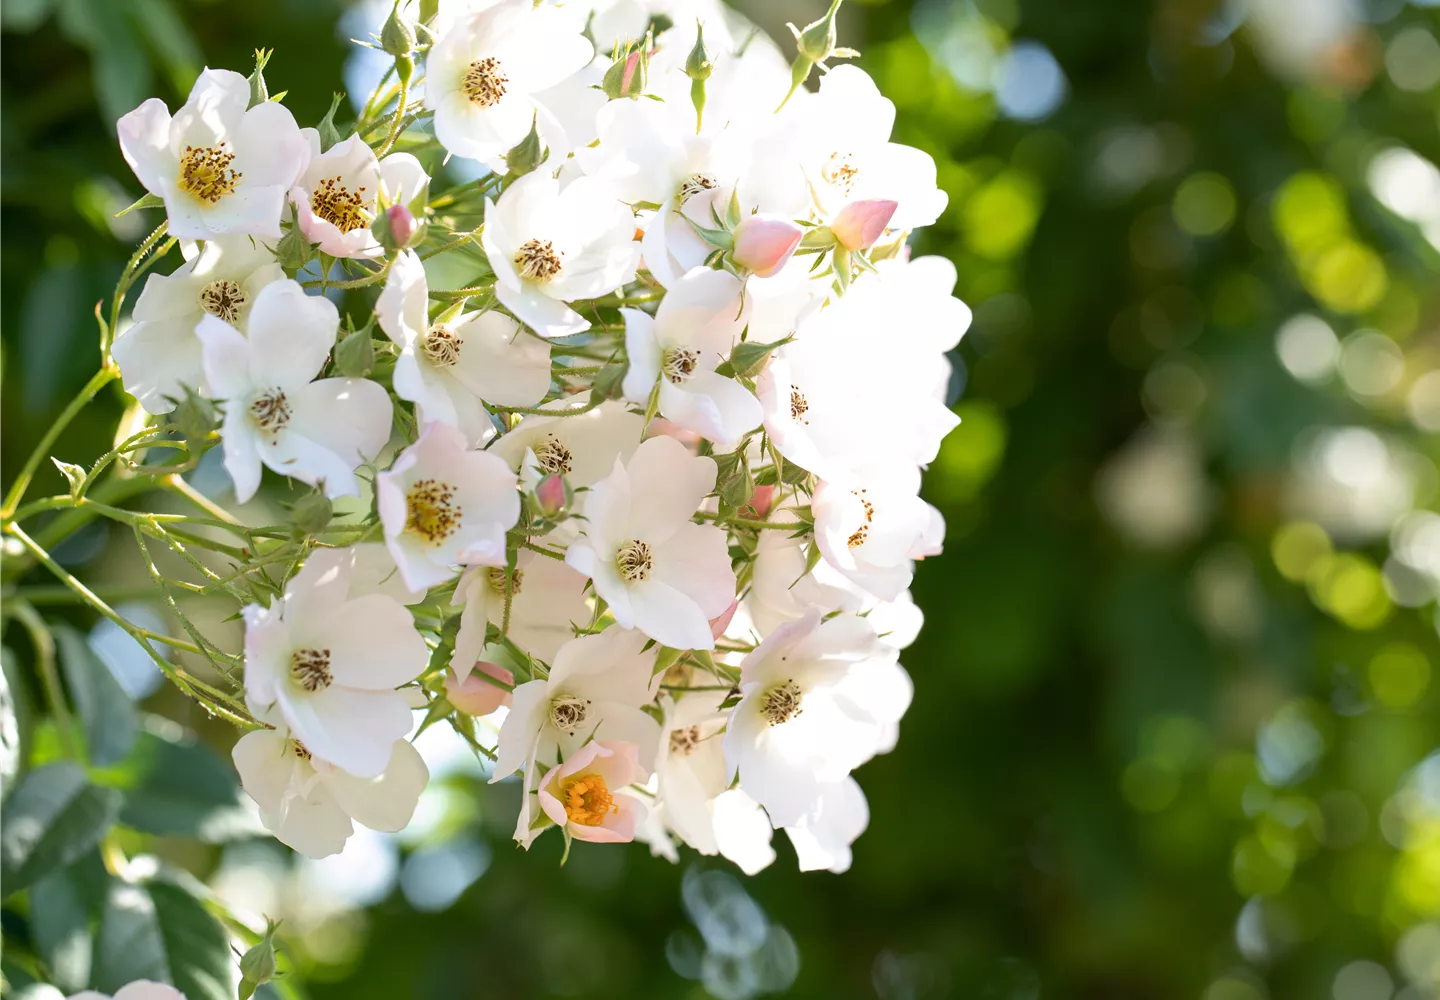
[1175, 707]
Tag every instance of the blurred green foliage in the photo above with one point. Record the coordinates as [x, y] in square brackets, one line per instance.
[1175, 694]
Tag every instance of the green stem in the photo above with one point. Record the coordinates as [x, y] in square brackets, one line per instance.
[97, 382]
[44, 644]
[399, 115]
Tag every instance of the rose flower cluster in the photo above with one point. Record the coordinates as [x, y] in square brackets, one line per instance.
[645, 492]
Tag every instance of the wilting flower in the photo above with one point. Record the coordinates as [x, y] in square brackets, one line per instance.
[594, 692]
[219, 167]
[325, 666]
[483, 74]
[549, 247]
[444, 506]
[309, 804]
[696, 327]
[317, 432]
[815, 704]
[658, 571]
[338, 194]
[159, 354]
[448, 369]
[580, 794]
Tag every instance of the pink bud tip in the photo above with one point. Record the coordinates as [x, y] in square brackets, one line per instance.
[550, 495]
[861, 223]
[762, 499]
[631, 61]
[477, 696]
[720, 623]
[764, 243]
[402, 224]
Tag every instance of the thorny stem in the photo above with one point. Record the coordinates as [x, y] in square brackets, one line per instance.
[399, 115]
[98, 381]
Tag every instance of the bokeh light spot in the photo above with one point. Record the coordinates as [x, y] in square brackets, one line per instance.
[1204, 204]
[1399, 675]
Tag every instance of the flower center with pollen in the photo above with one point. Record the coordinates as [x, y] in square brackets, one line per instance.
[693, 185]
[206, 173]
[224, 299]
[634, 561]
[684, 741]
[840, 171]
[339, 206]
[496, 576]
[442, 346]
[861, 533]
[553, 457]
[798, 406]
[271, 412]
[537, 260]
[432, 512]
[781, 703]
[678, 363]
[587, 800]
[484, 83]
[311, 668]
[567, 713]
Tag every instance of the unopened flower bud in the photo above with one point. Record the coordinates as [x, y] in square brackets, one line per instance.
[762, 500]
[397, 37]
[552, 495]
[476, 695]
[627, 76]
[258, 965]
[817, 41]
[861, 223]
[764, 243]
[698, 67]
[394, 228]
[313, 512]
[527, 154]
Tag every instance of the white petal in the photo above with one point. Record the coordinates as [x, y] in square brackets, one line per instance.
[670, 617]
[290, 335]
[145, 144]
[372, 641]
[742, 832]
[351, 729]
[529, 703]
[713, 406]
[667, 484]
[385, 803]
[348, 416]
[546, 316]
[696, 561]
[499, 363]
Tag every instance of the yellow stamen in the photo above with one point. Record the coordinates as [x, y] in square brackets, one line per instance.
[587, 800]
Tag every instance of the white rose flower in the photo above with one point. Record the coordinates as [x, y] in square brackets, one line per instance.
[314, 431]
[337, 195]
[448, 369]
[443, 506]
[870, 532]
[583, 448]
[549, 247]
[325, 666]
[159, 353]
[311, 805]
[140, 989]
[818, 699]
[219, 167]
[547, 597]
[484, 74]
[656, 569]
[595, 689]
[694, 330]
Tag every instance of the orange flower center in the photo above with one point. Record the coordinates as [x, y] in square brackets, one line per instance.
[587, 800]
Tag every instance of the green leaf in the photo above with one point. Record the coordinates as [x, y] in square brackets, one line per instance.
[355, 355]
[105, 710]
[748, 357]
[177, 786]
[14, 720]
[63, 907]
[52, 817]
[157, 930]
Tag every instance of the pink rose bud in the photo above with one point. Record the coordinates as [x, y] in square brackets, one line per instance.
[861, 223]
[719, 624]
[551, 495]
[475, 695]
[761, 500]
[402, 224]
[763, 243]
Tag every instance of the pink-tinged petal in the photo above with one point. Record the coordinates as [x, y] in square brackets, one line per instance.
[764, 243]
[387, 802]
[551, 495]
[476, 695]
[145, 144]
[762, 499]
[696, 561]
[721, 622]
[861, 223]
